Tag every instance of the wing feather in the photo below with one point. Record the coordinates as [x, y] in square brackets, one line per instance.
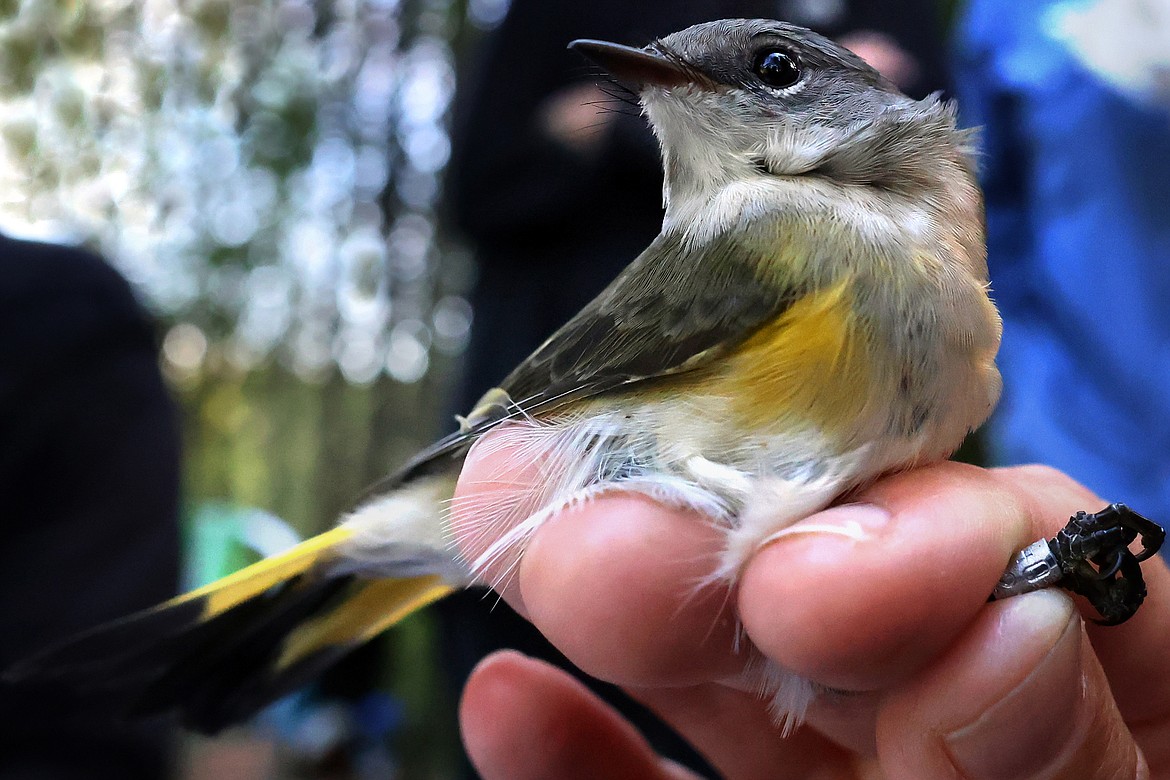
[670, 311]
[673, 310]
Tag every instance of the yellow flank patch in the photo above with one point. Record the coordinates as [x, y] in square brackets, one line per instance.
[236, 588]
[809, 364]
[376, 606]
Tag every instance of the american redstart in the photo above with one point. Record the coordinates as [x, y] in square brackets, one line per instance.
[813, 314]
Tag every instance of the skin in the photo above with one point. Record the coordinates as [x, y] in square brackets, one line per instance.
[935, 682]
[571, 117]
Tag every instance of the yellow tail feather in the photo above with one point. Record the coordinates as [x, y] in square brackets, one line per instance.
[221, 652]
[234, 589]
[375, 606]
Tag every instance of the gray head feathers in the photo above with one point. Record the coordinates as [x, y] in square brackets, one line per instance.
[835, 117]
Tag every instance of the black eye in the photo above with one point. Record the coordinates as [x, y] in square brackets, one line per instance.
[777, 68]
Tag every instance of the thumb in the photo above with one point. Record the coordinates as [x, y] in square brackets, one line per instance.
[1019, 695]
[523, 719]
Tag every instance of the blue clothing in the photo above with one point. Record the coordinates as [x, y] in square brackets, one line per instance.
[1077, 181]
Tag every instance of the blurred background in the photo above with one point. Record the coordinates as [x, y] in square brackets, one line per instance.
[266, 175]
[272, 178]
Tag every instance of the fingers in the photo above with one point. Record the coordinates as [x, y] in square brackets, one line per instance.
[615, 585]
[615, 582]
[522, 718]
[1132, 655]
[902, 595]
[500, 485]
[862, 614]
[740, 738]
[1020, 695]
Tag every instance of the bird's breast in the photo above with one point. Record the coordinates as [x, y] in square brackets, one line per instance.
[809, 366]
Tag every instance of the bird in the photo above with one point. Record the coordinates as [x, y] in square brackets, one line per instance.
[814, 313]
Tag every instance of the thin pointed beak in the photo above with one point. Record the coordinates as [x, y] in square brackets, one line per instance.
[638, 67]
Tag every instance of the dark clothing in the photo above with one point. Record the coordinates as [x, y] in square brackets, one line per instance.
[88, 497]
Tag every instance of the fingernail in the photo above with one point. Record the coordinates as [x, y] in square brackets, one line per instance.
[1035, 654]
[852, 521]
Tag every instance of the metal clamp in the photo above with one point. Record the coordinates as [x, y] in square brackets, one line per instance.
[1034, 568]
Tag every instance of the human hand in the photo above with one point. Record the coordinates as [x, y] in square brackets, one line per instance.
[574, 117]
[934, 681]
[883, 54]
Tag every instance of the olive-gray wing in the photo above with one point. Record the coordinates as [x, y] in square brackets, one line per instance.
[672, 310]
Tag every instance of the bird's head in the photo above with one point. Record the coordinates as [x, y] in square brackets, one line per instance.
[742, 98]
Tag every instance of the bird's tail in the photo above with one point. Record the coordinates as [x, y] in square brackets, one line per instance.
[220, 653]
